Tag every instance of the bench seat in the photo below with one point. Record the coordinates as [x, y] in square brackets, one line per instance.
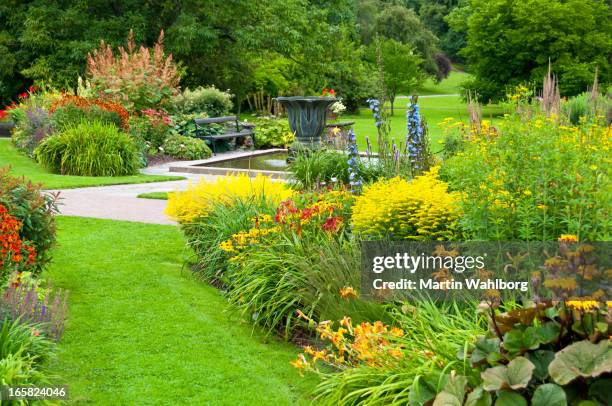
[237, 130]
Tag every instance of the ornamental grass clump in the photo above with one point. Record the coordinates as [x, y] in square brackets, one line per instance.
[420, 209]
[197, 201]
[90, 149]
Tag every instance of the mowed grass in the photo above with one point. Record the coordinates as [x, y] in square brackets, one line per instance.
[21, 165]
[434, 109]
[450, 85]
[154, 195]
[142, 330]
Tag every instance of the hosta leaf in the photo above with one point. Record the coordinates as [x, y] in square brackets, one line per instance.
[549, 394]
[420, 392]
[541, 359]
[508, 398]
[518, 341]
[600, 390]
[495, 378]
[548, 332]
[446, 399]
[479, 397]
[515, 375]
[520, 371]
[581, 359]
[453, 392]
[485, 349]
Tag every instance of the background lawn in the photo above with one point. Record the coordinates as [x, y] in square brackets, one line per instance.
[141, 330]
[21, 165]
[441, 101]
[434, 109]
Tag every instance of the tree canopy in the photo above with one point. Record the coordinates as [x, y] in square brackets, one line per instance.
[510, 42]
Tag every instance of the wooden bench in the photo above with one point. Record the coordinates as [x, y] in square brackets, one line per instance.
[234, 131]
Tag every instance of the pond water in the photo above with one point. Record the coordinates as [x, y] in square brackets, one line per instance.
[274, 161]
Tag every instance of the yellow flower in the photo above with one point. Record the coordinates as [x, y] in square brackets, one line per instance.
[568, 238]
[348, 292]
[420, 209]
[583, 305]
[198, 199]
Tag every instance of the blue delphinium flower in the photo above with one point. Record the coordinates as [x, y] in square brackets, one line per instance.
[414, 138]
[374, 105]
[355, 180]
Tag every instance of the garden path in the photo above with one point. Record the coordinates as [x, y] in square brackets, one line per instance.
[121, 202]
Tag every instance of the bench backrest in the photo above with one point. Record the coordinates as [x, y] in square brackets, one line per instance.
[215, 120]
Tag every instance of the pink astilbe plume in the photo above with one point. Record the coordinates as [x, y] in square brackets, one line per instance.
[136, 76]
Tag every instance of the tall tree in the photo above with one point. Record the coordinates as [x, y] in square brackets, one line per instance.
[401, 68]
[512, 41]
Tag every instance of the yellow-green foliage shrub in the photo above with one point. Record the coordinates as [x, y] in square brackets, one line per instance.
[420, 209]
[199, 198]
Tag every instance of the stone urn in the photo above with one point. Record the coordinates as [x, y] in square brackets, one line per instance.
[307, 117]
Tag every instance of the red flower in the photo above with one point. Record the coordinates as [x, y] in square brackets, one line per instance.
[23, 95]
[3, 114]
[331, 224]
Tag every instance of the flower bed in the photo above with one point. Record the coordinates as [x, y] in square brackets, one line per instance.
[289, 261]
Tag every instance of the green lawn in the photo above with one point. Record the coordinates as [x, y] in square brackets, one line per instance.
[450, 85]
[142, 331]
[433, 109]
[154, 195]
[22, 165]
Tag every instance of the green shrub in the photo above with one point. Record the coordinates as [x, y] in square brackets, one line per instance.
[534, 180]
[203, 100]
[586, 107]
[150, 130]
[34, 209]
[272, 132]
[89, 149]
[181, 147]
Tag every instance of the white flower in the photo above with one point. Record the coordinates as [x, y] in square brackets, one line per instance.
[338, 107]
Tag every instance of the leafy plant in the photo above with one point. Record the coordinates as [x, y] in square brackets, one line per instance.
[313, 169]
[545, 354]
[138, 78]
[272, 132]
[181, 147]
[533, 179]
[23, 350]
[202, 101]
[586, 106]
[89, 149]
[35, 211]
